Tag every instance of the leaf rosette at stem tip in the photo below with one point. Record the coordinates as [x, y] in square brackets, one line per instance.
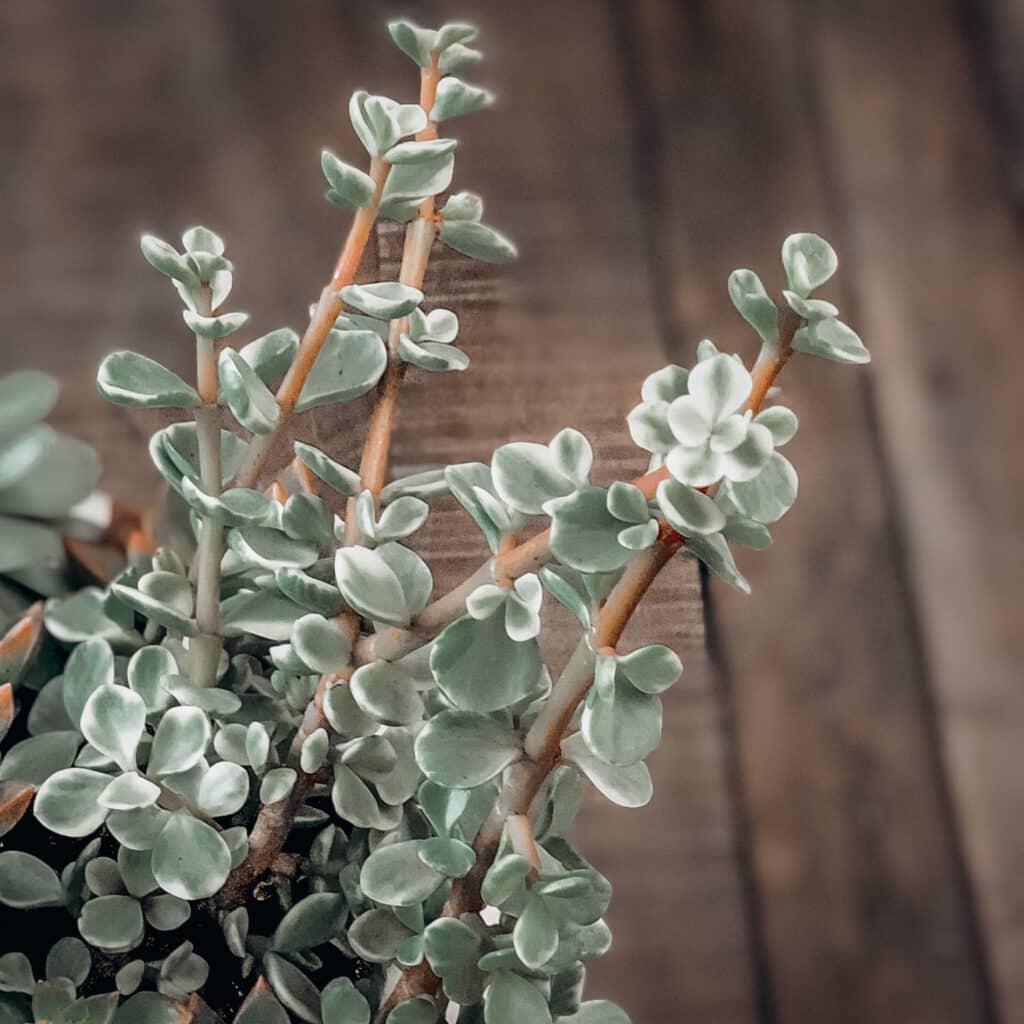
[269, 733]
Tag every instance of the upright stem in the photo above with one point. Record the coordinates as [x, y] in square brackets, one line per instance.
[205, 648]
[328, 309]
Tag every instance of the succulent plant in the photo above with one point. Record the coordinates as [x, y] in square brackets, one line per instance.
[45, 476]
[278, 778]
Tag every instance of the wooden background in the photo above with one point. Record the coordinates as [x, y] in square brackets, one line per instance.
[836, 835]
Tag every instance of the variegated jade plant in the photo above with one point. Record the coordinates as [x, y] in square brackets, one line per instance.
[295, 784]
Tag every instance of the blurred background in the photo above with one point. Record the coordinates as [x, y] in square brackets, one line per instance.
[838, 828]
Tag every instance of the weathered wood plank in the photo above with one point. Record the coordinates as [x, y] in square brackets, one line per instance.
[864, 915]
[940, 262]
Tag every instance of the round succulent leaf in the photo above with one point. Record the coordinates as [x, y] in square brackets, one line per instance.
[165, 912]
[136, 871]
[809, 262]
[296, 992]
[511, 999]
[349, 186]
[412, 572]
[522, 619]
[26, 881]
[780, 422]
[224, 789]
[272, 354]
[584, 534]
[754, 304]
[463, 749]
[370, 586]
[417, 1010]
[190, 859]
[535, 936]
[20, 454]
[306, 517]
[688, 510]
[113, 721]
[82, 616]
[261, 613]
[248, 398]
[128, 791]
[831, 339]
[638, 538]
[214, 327]
[397, 876]
[479, 667]
[483, 602]
[770, 495]
[315, 919]
[651, 669]
[310, 593]
[315, 748]
[377, 934]
[628, 786]
[148, 668]
[211, 699]
[271, 549]
[163, 614]
[335, 475]
[386, 300]
[344, 715]
[257, 744]
[623, 724]
[64, 475]
[16, 974]
[386, 693]
[26, 396]
[404, 516]
[627, 502]
[277, 784]
[138, 829]
[181, 740]
[180, 445]
[89, 666]
[34, 760]
[442, 806]
[713, 550]
[526, 475]
[342, 1003]
[132, 379]
[449, 857]
[413, 181]
[322, 644]
[113, 924]
[68, 802]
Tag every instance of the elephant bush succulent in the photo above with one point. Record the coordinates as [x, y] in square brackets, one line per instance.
[275, 776]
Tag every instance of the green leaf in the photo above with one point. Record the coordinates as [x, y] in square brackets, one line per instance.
[417, 1010]
[651, 669]
[90, 666]
[260, 1007]
[770, 495]
[409, 184]
[526, 476]
[323, 645]
[416, 43]
[68, 958]
[16, 974]
[349, 186]
[128, 378]
[380, 122]
[535, 935]
[478, 241]
[138, 829]
[463, 206]
[420, 151]
[214, 327]
[479, 667]
[129, 791]
[224, 789]
[152, 607]
[395, 875]
[34, 760]
[26, 881]
[754, 304]
[272, 354]
[597, 1011]
[621, 724]
[113, 721]
[181, 740]
[377, 935]
[68, 802]
[387, 300]
[510, 999]
[277, 784]
[190, 859]
[386, 693]
[135, 869]
[780, 422]
[345, 481]
[113, 924]
[65, 473]
[688, 510]
[349, 365]
[26, 396]
[584, 534]
[248, 398]
[316, 919]
[293, 988]
[458, 58]
[455, 98]
[342, 1003]
[809, 262]
[449, 857]
[463, 749]
[262, 613]
[831, 339]
[370, 586]
[312, 594]
[166, 913]
[628, 786]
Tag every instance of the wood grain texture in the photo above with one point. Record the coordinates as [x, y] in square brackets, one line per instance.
[151, 117]
[865, 914]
